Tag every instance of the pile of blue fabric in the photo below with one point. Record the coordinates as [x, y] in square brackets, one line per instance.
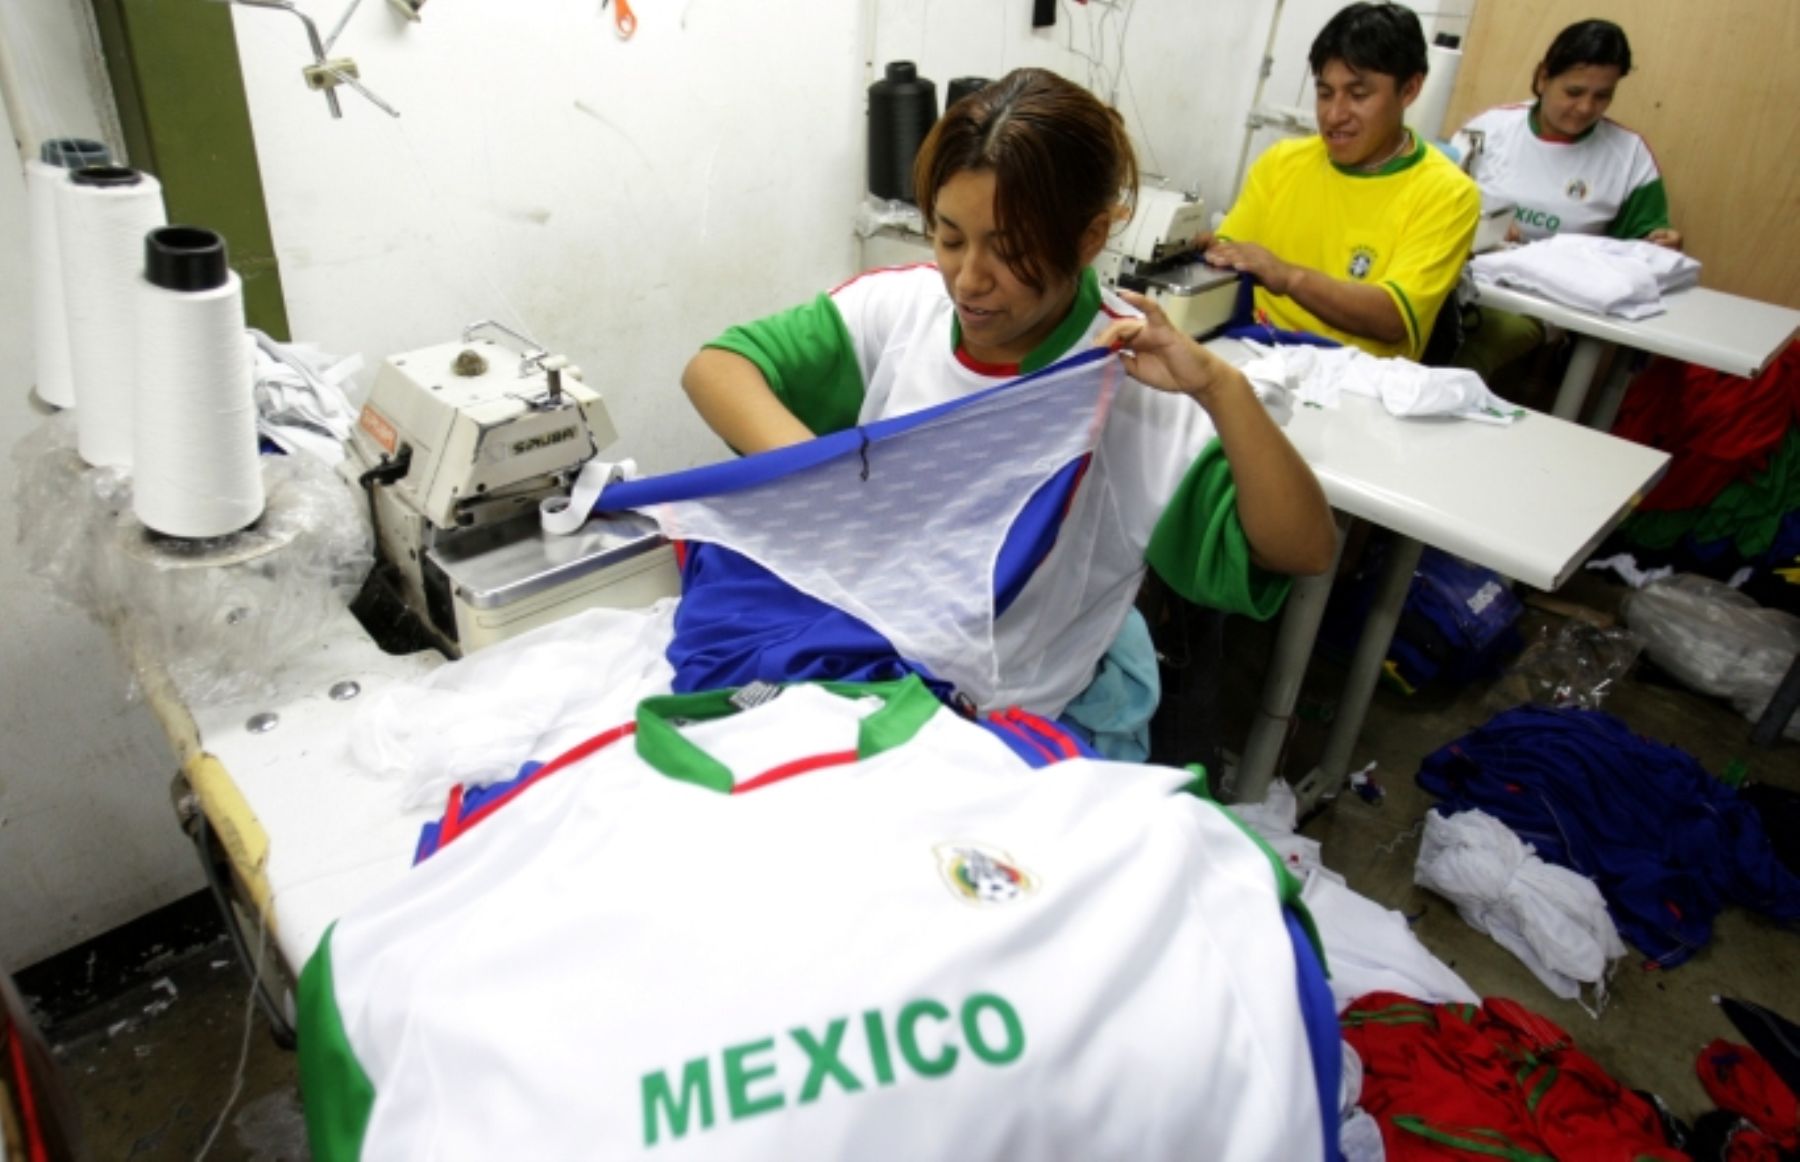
[1667, 844]
[1459, 623]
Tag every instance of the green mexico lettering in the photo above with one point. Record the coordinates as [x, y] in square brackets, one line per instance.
[925, 1032]
[1542, 218]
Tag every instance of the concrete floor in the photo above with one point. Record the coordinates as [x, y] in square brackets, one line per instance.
[150, 1078]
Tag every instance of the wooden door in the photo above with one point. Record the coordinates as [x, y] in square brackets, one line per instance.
[1714, 89]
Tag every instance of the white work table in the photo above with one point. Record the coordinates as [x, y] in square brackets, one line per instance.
[1529, 500]
[304, 831]
[1718, 331]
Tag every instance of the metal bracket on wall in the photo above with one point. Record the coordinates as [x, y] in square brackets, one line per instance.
[324, 74]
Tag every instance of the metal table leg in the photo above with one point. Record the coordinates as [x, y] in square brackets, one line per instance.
[1281, 689]
[1781, 707]
[1583, 362]
[1365, 670]
[1612, 391]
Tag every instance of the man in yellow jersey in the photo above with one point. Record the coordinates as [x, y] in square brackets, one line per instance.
[1360, 232]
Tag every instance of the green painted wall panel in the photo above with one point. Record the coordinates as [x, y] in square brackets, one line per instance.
[180, 91]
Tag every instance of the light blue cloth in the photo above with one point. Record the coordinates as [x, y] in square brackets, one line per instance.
[1113, 713]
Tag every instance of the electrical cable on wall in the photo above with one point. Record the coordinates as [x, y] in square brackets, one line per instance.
[1105, 80]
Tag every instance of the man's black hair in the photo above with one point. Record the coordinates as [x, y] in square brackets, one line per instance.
[1591, 42]
[1372, 38]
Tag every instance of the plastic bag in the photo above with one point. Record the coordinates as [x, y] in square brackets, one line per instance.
[220, 616]
[1718, 641]
[1574, 664]
[874, 214]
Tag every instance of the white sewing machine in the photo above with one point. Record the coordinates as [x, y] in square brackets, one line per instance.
[457, 445]
[1154, 254]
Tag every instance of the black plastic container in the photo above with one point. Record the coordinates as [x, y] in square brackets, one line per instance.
[902, 109]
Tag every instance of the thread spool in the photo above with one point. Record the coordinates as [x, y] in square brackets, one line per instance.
[962, 87]
[1443, 60]
[198, 473]
[902, 110]
[102, 214]
[49, 318]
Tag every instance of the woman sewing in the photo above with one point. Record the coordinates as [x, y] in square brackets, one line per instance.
[1020, 185]
[1565, 167]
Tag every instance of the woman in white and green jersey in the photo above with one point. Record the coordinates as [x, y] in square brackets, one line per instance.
[1566, 168]
[1020, 185]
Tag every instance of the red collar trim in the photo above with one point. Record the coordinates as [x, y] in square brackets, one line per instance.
[999, 370]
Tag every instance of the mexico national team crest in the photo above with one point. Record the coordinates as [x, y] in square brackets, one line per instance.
[983, 875]
[1577, 191]
[1362, 260]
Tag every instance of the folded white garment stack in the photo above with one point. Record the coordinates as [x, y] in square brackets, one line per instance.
[1609, 276]
[1553, 919]
[1320, 376]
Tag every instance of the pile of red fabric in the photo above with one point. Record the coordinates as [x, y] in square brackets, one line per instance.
[1743, 1083]
[1491, 1081]
[1719, 429]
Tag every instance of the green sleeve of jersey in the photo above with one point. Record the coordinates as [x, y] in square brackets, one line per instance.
[807, 356]
[1199, 546]
[1646, 209]
[337, 1095]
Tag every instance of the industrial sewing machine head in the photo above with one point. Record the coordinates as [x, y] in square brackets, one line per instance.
[457, 446]
[1154, 255]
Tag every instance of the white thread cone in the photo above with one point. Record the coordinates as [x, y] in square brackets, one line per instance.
[198, 473]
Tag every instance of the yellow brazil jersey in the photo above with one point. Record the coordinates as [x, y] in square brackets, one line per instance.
[1405, 228]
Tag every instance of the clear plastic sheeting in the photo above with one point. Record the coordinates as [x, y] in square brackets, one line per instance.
[882, 213]
[1575, 664]
[220, 617]
[1553, 919]
[1716, 640]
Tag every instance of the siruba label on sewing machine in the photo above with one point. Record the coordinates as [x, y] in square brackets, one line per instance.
[544, 440]
[377, 425]
[922, 1036]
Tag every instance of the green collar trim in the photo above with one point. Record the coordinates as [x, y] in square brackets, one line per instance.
[1055, 345]
[1550, 135]
[908, 706]
[1397, 165]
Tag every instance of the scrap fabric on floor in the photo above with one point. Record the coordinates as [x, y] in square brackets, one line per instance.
[1549, 917]
[1743, 1083]
[1668, 844]
[1491, 1081]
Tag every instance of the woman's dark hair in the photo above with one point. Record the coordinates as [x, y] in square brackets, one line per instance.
[1059, 159]
[1372, 38]
[1591, 42]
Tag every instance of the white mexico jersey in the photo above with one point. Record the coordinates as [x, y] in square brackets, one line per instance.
[1070, 612]
[915, 947]
[1559, 187]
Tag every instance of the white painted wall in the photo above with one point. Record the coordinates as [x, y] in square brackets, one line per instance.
[623, 201]
[1183, 74]
[88, 839]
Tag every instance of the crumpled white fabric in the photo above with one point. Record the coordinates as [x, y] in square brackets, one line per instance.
[301, 403]
[475, 720]
[1610, 276]
[1551, 918]
[1274, 819]
[1320, 376]
[1368, 948]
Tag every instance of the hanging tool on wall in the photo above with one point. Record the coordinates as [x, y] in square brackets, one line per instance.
[325, 74]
